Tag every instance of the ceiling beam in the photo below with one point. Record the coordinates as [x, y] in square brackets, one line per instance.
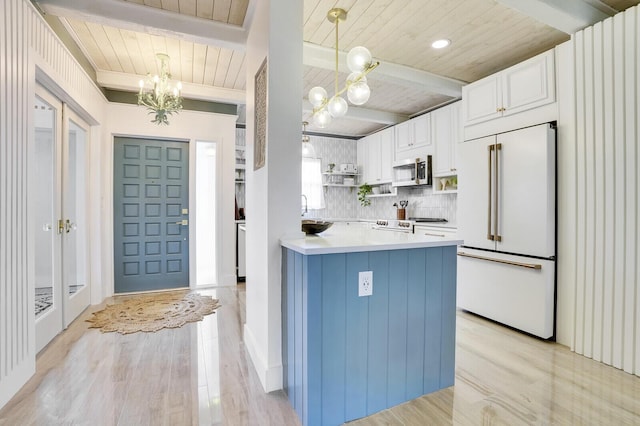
[365, 114]
[151, 20]
[567, 16]
[129, 82]
[324, 57]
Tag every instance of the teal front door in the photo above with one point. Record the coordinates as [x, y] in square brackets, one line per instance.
[151, 199]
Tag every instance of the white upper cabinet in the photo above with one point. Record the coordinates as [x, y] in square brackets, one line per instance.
[376, 156]
[525, 86]
[446, 133]
[413, 138]
[372, 165]
[386, 154]
[482, 100]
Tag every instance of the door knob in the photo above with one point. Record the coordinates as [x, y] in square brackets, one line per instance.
[183, 222]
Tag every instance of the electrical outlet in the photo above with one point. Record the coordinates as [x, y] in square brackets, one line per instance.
[365, 283]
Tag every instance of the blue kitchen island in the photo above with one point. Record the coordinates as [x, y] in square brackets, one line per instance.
[347, 357]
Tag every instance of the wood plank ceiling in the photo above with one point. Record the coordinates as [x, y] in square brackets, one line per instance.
[486, 37]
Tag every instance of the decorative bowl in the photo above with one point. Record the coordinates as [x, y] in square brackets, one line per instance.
[310, 226]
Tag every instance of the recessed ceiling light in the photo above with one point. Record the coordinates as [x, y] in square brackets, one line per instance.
[439, 44]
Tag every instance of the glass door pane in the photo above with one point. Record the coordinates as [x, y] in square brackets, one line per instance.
[48, 289]
[74, 197]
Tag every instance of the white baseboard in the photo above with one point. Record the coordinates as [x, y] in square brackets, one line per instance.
[229, 280]
[11, 384]
[270, 377]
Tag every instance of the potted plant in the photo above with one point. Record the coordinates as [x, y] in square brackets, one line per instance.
[364, 190]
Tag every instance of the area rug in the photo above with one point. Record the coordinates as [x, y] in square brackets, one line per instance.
[150, 313]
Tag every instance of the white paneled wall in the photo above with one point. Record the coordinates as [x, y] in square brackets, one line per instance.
[17, 340]
[599, 183]
[28, 48]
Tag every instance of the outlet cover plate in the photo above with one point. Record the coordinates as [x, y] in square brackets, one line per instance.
[365, 283]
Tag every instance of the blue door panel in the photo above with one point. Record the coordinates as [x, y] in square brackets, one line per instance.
[151, 250]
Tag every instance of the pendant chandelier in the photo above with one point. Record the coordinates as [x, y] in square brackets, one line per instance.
[360, 63]
[307, 149]
[159, 95]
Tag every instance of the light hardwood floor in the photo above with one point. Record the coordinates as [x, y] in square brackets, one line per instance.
[200, 374]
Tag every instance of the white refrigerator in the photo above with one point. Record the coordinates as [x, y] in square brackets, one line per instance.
[507, 217]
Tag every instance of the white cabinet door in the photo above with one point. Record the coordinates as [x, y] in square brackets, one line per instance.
[413, 138]
[482, 100]
[421, 130]
[441, 128]
[474, 177]
[373, 159]
[526, 191]
[529, 84]
[387, 152]
[446, 133]
[403, 136]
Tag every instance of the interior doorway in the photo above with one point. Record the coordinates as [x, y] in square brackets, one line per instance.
[61, 151]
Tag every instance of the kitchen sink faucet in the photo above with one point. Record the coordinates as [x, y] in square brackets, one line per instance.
[305, 205]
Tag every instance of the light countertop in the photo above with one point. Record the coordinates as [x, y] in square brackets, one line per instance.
[341, 238]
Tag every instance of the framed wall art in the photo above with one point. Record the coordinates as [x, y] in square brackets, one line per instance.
[260, 117]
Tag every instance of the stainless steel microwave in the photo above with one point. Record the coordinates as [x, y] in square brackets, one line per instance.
[411, 172]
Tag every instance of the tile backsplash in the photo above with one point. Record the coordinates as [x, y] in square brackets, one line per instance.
[422, 203]
[342, 203]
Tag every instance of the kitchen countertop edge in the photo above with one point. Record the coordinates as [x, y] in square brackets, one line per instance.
[313, 245]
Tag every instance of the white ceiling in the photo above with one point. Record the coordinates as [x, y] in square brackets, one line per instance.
[205, 40]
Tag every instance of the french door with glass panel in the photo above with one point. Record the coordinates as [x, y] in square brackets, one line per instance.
[60, 200]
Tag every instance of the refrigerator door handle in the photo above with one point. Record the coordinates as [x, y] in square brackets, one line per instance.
[489, 201]
[496, 232]
[506, 262]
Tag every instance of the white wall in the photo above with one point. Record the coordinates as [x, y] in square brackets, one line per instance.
[272, 192]
[132, 120]
[599, 183]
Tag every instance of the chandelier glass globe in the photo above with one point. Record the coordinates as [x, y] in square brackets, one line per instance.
[359, 93]
[317, 96]
[358, 59]
[337, 106]
[322, 118]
